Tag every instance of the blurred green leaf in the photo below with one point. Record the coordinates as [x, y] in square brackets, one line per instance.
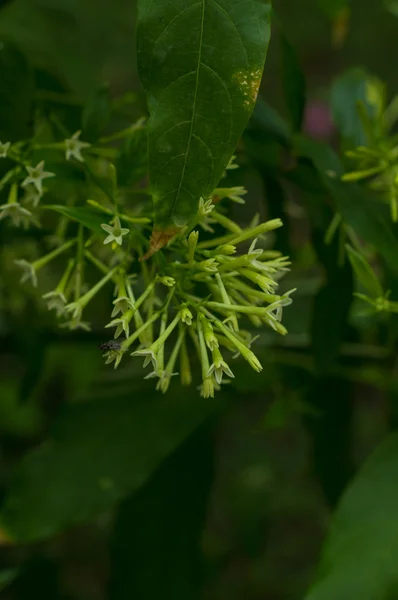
[98, 453]
[132, 160]
[357, 206]
[359, 555]
[87, 217]
[330, 426]
[293, 82]
[392, 6]
[268, 121]
[71, 37]
[16, 94]
[332, 8]
[331, 305]
[364, 272]
[16, 419]
[353, 86]
[155, 548]
[7, 576]
[96, 115]
[201, 65]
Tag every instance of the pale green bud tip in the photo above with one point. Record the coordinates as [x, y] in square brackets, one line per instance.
[207, 388]
[226, 249]
[166, 280]
[209, 265]
[186, 315]
[205, 206]
[4, 148]
[193, 237]
[253, 361]
[186, 377]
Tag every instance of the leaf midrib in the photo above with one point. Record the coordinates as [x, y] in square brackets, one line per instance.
[194, 106]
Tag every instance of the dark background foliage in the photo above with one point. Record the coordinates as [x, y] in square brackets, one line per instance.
[228, 498]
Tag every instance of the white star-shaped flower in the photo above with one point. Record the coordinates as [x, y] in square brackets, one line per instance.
[4, 148]
[149, 356]
[219, 366]
[116, 232]
[74, 147]
[36, 176]
[31, 195]
[76, 324]
[55, 300]
[164, 381]
[122, 305]
[29, 271]
[122, 323]
[113, 355]
[16, 212]
[75, 308]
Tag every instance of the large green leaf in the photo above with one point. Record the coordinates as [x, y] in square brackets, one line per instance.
[98, 453]
[201, 62]
[155, 549]
[360, 556]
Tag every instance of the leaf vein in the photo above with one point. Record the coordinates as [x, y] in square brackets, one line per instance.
[194, 105]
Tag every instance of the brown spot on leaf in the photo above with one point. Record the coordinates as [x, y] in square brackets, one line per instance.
[159, 238]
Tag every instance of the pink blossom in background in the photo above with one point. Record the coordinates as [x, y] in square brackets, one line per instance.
[318, 122]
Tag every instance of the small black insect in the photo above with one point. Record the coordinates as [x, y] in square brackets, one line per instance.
[111, 345]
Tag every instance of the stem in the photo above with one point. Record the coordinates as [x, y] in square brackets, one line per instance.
[79, 265]
[84, 300]
[65, 277]
[41, 262]
[127, 343]
[225, 222]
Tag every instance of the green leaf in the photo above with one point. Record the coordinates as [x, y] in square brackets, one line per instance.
[96, 115]
[359, 557]
[358, 207]
[267, 120]
[155, 548]
[331, 305]
[365, 273]
[353, 86]
[16, 95]
[293, 82]
[201, 63]
[329, 420]
[332, 8]
[98, 453]
[7, 576]
[87, 217]
[391, 6]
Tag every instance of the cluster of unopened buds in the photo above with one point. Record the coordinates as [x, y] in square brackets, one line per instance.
[191, 297]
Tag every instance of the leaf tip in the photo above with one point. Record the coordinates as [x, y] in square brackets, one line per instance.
[159, 238]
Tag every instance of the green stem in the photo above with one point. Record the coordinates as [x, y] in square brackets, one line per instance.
[44, 260]
[79, 264]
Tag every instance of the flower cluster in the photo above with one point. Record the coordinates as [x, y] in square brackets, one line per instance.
[377, 161]
[193, 297]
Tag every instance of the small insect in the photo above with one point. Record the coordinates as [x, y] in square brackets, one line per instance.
[111, 345]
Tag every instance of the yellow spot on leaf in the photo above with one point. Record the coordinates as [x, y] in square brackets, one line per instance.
[249, 83]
